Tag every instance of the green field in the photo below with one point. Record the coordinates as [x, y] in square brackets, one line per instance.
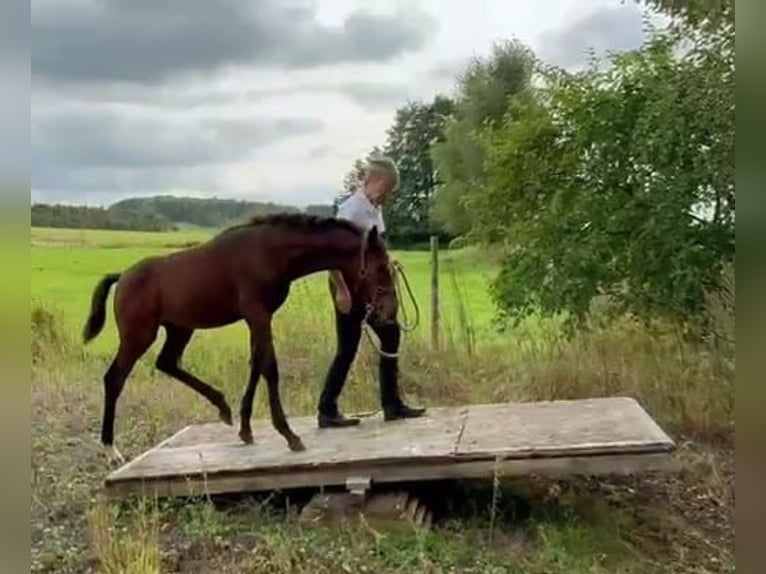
[572, 526]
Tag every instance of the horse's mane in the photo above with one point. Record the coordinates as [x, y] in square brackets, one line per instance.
[299, 221]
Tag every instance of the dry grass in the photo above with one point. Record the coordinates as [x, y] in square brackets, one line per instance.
[648, 524]
[133, 549]
[642, 525]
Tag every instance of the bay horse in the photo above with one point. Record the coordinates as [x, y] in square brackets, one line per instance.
[244, 272]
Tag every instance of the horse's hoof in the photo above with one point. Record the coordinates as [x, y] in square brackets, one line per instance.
[113, 455]
[225, 415]
[296, 444]
[246, 436]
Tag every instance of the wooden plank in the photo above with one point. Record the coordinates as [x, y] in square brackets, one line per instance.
[215, 447]
[168, 441]
[588, 436]
[555, 428]
[198, 485]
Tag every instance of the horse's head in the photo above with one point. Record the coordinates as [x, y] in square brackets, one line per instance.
[376, 287]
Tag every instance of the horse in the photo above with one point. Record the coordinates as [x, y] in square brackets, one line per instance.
[242, 273]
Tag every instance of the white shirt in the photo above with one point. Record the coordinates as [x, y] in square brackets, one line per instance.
[358, 209]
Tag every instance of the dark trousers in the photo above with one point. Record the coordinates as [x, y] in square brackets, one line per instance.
[348, 329]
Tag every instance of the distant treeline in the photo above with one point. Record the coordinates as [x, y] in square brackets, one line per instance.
[84, 217]
[160, 213]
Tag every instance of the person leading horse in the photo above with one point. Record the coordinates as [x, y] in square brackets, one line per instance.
[364, 208]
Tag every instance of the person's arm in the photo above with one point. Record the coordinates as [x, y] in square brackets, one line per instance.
[342, 293]
[337, 279]
[343, 299]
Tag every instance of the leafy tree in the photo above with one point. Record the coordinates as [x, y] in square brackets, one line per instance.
[701, 14]
[205, 212]
[158, 213]
[416, 129]
[84, 217]
[483, 96]
[616, 182]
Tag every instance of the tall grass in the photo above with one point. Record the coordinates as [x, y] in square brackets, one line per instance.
[130, 549]
[687, 386]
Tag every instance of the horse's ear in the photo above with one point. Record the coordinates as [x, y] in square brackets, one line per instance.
[373, 235]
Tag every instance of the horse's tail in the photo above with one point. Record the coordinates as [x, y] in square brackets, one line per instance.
[97, 316]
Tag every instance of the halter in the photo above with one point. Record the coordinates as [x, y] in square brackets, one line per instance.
[369, 307]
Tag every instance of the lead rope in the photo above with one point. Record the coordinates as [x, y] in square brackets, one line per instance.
[405, 328]
[401, 277]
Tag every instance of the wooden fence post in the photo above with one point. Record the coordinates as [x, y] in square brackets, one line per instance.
[435, 291]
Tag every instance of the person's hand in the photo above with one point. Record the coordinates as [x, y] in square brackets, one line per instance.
[343, 300]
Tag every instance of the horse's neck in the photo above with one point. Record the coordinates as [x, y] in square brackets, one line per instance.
[321, 255]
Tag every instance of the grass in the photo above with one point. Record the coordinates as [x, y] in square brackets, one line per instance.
[647, 524]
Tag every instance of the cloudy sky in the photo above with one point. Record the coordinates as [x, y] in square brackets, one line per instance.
[267, 100]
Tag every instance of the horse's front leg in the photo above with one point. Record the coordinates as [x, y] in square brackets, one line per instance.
[256, 319]
[246, 406]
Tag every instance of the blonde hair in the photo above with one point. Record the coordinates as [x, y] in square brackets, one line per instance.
[381, 165]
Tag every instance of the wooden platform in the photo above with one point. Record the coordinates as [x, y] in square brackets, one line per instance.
[594, 436]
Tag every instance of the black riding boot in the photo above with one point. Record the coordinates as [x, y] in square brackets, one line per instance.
[388, 372]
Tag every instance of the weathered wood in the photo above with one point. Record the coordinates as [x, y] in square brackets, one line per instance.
[556, 428]
[215, 447]
[591, 436]
[196, 484]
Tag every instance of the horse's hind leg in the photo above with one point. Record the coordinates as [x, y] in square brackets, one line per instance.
[130, 350]
[168, 362]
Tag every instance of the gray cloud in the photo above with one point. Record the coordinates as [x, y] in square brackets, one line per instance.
[127, 97]
[610, 29]
[446, 70]
[144, 41]
[169, 96]
[102, 149]
[103, 138]
[373, 95]
[370, 94]
[319, 151]
[57, 181]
